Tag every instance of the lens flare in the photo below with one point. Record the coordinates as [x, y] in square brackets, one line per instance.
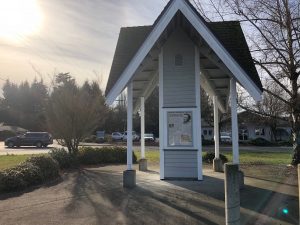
[19, 19]
[285, 211]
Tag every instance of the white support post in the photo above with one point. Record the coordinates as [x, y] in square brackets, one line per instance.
[216, 127]
[161, 122]
[142, 127]
[234, 122]
[198, 114]
[129, 125]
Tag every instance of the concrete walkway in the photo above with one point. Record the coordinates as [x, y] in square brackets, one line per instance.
[96, 196]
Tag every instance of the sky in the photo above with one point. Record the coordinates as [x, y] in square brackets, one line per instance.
[40, 38]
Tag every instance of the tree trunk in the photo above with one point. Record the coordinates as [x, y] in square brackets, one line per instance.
[296, 147]
[296, 137]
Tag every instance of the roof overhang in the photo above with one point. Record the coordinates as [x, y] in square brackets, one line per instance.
[221, 56]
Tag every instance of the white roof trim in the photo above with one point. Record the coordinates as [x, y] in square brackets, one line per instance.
[208, 36]
[220, 51]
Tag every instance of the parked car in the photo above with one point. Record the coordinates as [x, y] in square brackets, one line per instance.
[149, 137]
[225, 137]
[38, 139]
[135, 137]
[117, 136]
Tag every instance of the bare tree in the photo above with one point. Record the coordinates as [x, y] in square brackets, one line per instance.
[273, 31]
[272, 111]
[74, 112]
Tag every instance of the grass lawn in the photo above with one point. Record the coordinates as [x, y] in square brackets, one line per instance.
[7, 161]
[271, 166]
[246, 157]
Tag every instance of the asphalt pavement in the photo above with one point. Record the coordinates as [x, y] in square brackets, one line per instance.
[96, 196]
[33, 150]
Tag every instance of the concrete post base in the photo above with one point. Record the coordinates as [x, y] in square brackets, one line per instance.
[143, 165]
[218, 165]
[241, 180]
[232, 194]
[129, 178]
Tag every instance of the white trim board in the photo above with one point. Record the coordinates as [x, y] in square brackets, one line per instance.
[203, 30]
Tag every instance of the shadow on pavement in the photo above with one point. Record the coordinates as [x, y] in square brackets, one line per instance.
[262, 201]
[4, 196]
[112, 204]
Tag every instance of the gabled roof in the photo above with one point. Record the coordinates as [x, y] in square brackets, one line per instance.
[130, 40]
[227, 37]
[229, 33]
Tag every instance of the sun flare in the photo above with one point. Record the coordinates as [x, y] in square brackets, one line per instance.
[19, 19]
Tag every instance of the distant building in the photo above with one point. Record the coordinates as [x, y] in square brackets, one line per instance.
[14, 129]
[207, 130]
[252, 126]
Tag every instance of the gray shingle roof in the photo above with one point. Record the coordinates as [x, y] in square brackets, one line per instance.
[130, 40]
[229, 33]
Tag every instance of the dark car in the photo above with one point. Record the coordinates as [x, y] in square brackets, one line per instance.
[38, 139]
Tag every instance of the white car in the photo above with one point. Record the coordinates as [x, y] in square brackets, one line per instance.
[225, 137]
[149, 137]
[117, 136]
[135, 137]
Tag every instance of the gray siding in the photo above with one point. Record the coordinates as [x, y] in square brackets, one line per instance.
[181, 164]
[179, 81]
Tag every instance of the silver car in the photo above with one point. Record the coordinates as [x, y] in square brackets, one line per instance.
[135, 136]
[117, 136]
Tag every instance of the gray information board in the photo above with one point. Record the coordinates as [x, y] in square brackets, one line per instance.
[180, 128]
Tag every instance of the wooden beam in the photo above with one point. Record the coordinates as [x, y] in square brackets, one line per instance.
[218, 78]
[148, 90]
[140, 81]
[209, 87]
[221, 88]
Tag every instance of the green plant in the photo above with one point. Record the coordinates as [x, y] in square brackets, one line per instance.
[6, 134]
[105, 155]
[90, 139]
[208, 157]
[260, 142]
[48, 166]
[65, 159]
[31, 174]
[19, 177]
[11, 180]
[207, 142]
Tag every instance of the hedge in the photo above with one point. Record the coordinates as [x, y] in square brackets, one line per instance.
[64, 159]
[35, 170]
[105, 155]
[40, 169]
[208, 157]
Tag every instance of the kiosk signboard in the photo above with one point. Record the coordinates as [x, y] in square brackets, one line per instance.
[180, 129]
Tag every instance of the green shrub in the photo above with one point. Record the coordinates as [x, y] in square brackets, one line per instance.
[31, 174]
[64, 158]
[207, 142]
[209, 157]
[260, 142]
[48, 166]
[19, 177]
[284, 143]
[11, 180]
[90, 139]
[6, 134]
[105, 155]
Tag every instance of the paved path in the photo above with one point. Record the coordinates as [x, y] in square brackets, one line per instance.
[96, 196]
